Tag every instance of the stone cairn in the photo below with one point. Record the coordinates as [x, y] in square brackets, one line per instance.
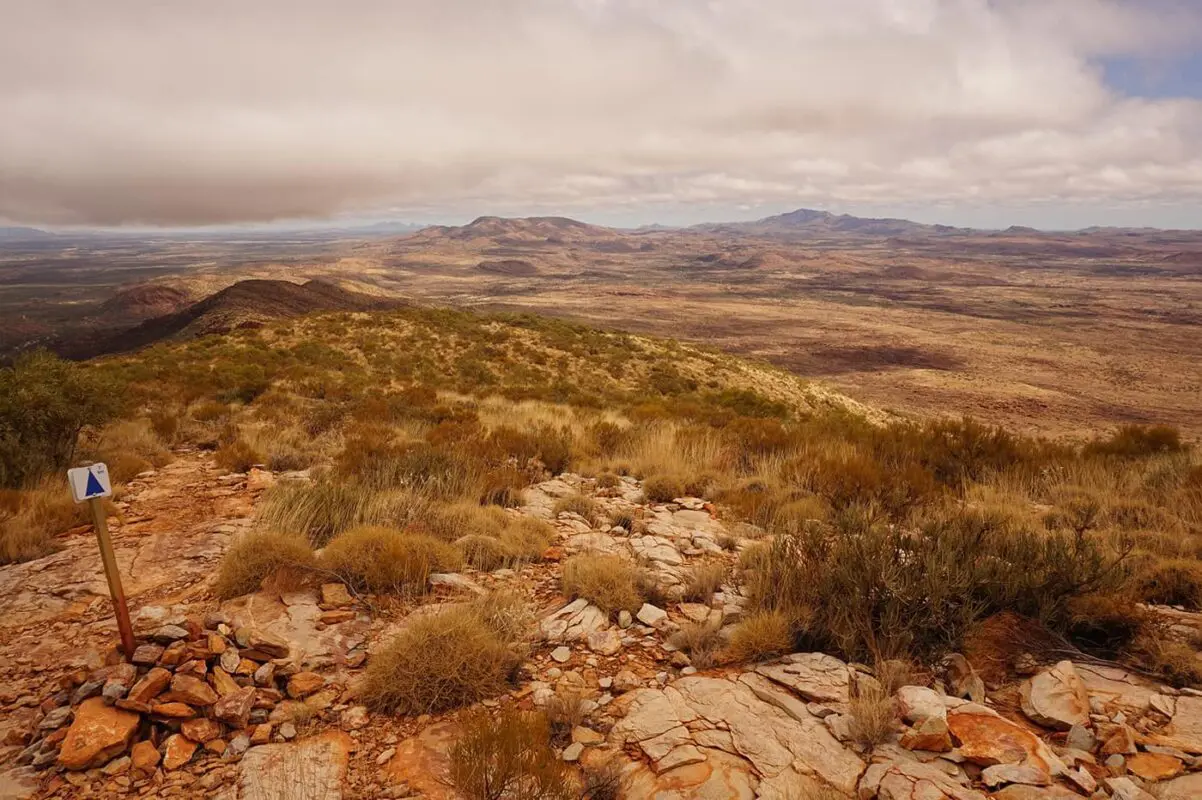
[189, 688]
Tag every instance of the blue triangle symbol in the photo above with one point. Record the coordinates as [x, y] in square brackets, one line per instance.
[94, 488]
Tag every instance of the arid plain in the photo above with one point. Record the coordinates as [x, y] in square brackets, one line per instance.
[1060, 334]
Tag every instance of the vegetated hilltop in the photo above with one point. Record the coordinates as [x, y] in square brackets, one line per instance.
[658, 564]
[246, 303]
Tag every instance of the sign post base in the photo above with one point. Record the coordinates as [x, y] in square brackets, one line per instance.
[100, 523]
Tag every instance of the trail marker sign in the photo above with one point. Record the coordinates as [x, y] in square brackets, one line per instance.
[89, 483]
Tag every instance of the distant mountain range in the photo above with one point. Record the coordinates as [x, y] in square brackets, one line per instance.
[559, 230]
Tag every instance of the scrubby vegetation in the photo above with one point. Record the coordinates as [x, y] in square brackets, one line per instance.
[447, 659]
[881, 536]
[612, 583]
[259, 556]
[508, 757]
[387, 561]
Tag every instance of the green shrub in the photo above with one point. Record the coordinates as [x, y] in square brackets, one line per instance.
[45, 402]
[884, 592]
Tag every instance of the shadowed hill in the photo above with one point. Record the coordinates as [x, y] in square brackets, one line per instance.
[245, 304]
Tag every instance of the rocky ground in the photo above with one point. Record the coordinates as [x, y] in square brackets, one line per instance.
[255, 698]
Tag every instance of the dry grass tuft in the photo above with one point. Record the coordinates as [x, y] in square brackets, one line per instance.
[386, 560]
[508, 757]
[238, 456]
[873, 715]
[663, 488]
[760, 636]
[700, 641]
[576, 504]
[702, 581]
[259, 556]
[1172, 583]
[439, 662]
[610, 582]
[484, 553]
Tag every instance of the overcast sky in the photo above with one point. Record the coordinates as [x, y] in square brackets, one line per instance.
[1054, 113]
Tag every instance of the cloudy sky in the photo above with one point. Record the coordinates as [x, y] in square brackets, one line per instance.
[1055, 113]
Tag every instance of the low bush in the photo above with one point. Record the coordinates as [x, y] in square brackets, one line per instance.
[387, 561]
[503, 487]
[700, 641]
[484, 553]
[873, 714]
[1172, 583]
[325, 508]
[439, 662]
[258, 556]
[702, 581]
[883, 592]
[238, 456]
[576, 504]
[507, 756]
[663, 488]
[608, 480]
[453, 521]
[760, 636]
[1137, 441]
[526, 539]
[565, 710]
[609, 582]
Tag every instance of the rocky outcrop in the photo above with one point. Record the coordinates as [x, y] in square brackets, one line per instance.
[1056, 698]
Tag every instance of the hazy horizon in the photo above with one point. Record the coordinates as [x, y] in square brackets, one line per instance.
[1053, 114]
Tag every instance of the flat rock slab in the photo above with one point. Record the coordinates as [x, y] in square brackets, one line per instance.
[422, 762]
[312, 769]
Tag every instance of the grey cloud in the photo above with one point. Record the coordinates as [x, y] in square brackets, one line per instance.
[145, 112]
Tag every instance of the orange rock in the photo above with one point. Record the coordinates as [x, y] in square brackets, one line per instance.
[145, 756]
[200, 730]
[262, 733]
[303, 684]
[1121, 742]
[234, 709]
[216, 746]
[1154, 766]
[930, 734]
[177, 751]
[173, 710]
[192, 690]
[151, 686]
[422, 761]
[987, 739]
[217, 644]
[223, 683]
[99, 733]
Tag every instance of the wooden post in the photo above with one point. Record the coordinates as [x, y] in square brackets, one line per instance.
[100, 523]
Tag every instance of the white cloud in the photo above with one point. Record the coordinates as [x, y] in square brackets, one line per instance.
[176, 113]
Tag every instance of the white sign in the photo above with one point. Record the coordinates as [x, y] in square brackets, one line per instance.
[89, 482]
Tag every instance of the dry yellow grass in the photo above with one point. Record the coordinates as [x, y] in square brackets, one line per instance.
[439, 662]
[386, 560]
[760, 636]
[610, 582]
[258, 556]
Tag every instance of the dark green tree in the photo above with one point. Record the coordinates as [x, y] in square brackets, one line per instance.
[45, 402]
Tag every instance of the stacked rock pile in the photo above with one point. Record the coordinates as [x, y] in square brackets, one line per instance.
[189, 689]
